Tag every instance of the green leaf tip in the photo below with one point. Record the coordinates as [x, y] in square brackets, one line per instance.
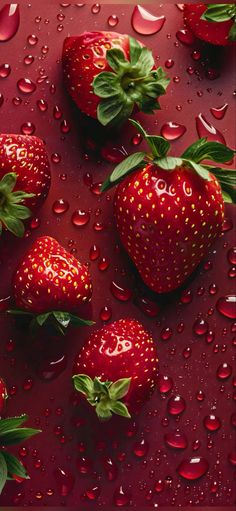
[12, 212]
[104, 396]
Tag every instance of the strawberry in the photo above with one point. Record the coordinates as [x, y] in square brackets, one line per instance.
[169, 210]
[213, 23]
[12, 433]
[116, 369]
[25, 179]
[51, 285]
[107, 74]
[3, 395]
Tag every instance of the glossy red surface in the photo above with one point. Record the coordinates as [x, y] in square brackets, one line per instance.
[76, 460]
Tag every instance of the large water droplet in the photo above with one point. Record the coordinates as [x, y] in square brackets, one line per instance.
[121, 497]
[206, 129]
[224, 371]
[212, 423]
[5, 70]
[226, 305]
[176, 440]
[172, 131]
[146, 23]
[26, 85]
[193, 468]
[80, 218]
[176, 405]
[120, 293]
[65, 481]
[219, 112]
[185, 36]
[9, 21]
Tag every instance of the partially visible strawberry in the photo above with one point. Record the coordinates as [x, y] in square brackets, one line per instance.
[107, 74]
[169, 210]
[116, 369]
[213, 23]
[3, 395]
[25, 179]
[51, 284]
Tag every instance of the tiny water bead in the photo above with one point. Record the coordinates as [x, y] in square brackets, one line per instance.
[164, 383]
[5, 70]
[193, 468]
[94, 253]
[169, 63]
[104, 264]
[166, 333]
[28, 128]
[95, 9]
[172, 131]
[28, 59]
[60, 206]
[145, 23]
[9, 21]
[232, 255]
[140, 449]
[200, 327]
[226, 305]
[212, 423]
[206, 130]
[113, 20]
[219, 112]
[93, 493]
[176, 440]
[176, 405]
[185, 36]
[56, 158]
[32, 40]
[42, 105]
[26, 85]
[80, 218]
[105, 313]
[224, 371]
[120, 293]
[57, 112]
[136, 139]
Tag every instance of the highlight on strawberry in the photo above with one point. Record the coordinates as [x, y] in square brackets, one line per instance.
[116, 370]
[25, 180]
[169, 210]
[11, 433]
[51, 287]
[109, 74]
[213, 23]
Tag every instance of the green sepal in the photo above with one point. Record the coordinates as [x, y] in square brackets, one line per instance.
[12, 212]
[58, 321]
[131, 82]
[14, 466]
[232, 33]
[3, 472]
[17, 435]
[158, 145]
[204, 150]
[126, 166]
[11, 423]
[219, 12]
[104, 396]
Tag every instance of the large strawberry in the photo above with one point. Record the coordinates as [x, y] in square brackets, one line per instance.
[51, 285]
[169, 210]
[107, 74]
[3, 395]
[213, 23]
[24, 179]
[116, 369]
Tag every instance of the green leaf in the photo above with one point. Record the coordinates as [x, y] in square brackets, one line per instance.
[13, 225]
[11, 423]
[162, 78]
[120, 408]
[42, 318]
[119, 388]
[219, 12]
[169, 162]
[148, 105]
[14, 436]
[232, 33]
[17, 197]
[100, 387]
[17, 211]
[116, 59]
[159, 146]
[14, 466]
[201, 171]
[83, 383]
[114, 109]
[8, 182]
[135, 50]
[63, 318]
[213, 151]
[76, 321]
[146, 61]
[126, 166]
[139, 128]
[103, 412]
[19, 312]
[227, 198]
[106, 84]
[3, 472]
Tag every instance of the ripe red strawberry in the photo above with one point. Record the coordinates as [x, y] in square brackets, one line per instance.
[170, 210]
[3, 395]
[50, 279]
[107, 74]
[213, 23]
[118, 362]
[24, 179]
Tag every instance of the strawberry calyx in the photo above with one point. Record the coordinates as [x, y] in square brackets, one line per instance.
[12, 212]
[54, 321]
[104, 396]
[131, 82]
[192, 158]
[11, 433]
[218, 13]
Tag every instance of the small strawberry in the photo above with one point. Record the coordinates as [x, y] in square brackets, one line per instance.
[3, 395]
[51, 285]
[11, 433]
[213, 23]
[25, 179]
[107, 74]
[169, 210]
[116, 369]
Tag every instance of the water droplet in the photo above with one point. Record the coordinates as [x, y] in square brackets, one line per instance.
[5, 70]
[206, 129]
[140, 449]
[9, 21]
[200, 327]
[93, 493]
[176, 405]
[145, 23]
[226, 305]
[35, 223]
[186, 296]
[121, 497]
[232, 255]
[65, 126]
[159, 486]
[219, 112]
[164, 383]
[227, 225]
[42, 105]
[150, 308]
[176, 440]
[84, 465]
[1, 99]
[95, 9]
[169, 63]
[224, 371]
[193, 468]
[136, 139]
[32, 40]
[55, 158]
[28, 59]
[52, 368]
[65, 481]
[60, 206]
[172, 131]
[28, 128]
[94, 253]
[5, 303]
[57, 112]
[213, 289]
[26, 85]
[113, 20]
[212, 423]
[105, 313]
[80, 218]
[166, 333]
[103, 264]
[185, 36]
[113, 154]
[120, 293]
[110, 468]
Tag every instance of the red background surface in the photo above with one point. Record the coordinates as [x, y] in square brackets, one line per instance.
[194, 94]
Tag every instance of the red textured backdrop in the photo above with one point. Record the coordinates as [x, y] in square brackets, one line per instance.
[69, 433]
